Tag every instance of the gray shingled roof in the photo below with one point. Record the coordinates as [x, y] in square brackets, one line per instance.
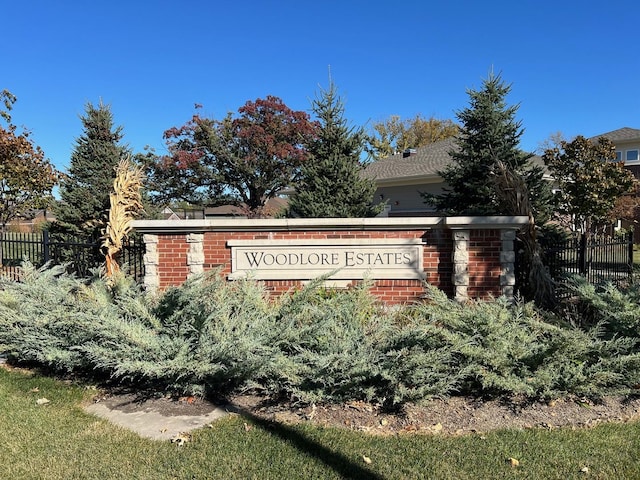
[621, 134]
[425, 162]
[430, 159]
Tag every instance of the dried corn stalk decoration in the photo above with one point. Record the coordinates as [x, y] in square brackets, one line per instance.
[513, 191]
[125, 204]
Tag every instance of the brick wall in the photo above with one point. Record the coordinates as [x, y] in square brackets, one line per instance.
[465, 259]
[172, 255]
[485, 267]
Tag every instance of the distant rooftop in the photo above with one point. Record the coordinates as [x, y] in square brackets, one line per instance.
[420, 163]
[621, 134]
[425, 161]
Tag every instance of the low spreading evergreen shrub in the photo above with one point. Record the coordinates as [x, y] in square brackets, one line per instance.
[500, 348]
[211, 336]
[616, 309]
[206, 336]
[325, 342]
[47, 317]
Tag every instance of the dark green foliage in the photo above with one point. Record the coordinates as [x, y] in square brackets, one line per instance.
[85, 190]
[489, 134]
[551, 233]
[490, 175]
[211, 336]
[331, 184]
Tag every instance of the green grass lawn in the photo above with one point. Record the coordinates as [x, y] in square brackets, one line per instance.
[60, 441]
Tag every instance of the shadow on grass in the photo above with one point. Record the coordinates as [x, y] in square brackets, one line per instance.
[339, 463]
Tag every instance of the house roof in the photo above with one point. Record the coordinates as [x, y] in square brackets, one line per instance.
[273, 206]
[424, 164]
[225, 211]
[621, 134]
[427, 161]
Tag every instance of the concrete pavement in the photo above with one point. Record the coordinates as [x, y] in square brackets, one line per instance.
[152, 419]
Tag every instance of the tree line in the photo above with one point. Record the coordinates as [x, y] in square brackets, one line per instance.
[243, 159]
[266, 148]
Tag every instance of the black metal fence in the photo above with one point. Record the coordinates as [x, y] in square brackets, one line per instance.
[79, 255]
[597, 258]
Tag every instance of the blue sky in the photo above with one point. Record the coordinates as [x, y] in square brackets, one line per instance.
[573, 66]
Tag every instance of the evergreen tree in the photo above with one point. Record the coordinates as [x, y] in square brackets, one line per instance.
[85, 190]
[331, 184]
[489, 134]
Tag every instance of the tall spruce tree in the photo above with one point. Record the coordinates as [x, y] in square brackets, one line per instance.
[84, 192]
[489, 134]
[490, 175]
[331, 184]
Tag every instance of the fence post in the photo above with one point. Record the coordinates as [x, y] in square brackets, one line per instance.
[582, 255]
[46, 255]
[630, 251]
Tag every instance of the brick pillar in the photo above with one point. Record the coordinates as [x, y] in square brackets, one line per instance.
[151, 262]
[461, 265]
[507, 263]
[195, 257]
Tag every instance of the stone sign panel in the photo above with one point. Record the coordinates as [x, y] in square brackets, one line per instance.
[345, 259]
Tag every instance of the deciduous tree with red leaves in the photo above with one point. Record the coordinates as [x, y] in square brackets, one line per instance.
[246, 159]
[26, 176]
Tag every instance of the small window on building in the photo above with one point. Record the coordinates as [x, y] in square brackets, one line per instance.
[618, 156]
[632, 156]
